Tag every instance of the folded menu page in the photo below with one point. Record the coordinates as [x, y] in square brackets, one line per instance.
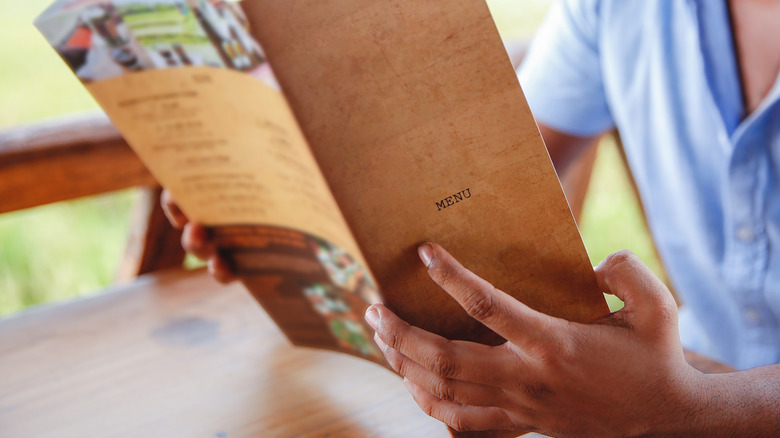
[322, 141]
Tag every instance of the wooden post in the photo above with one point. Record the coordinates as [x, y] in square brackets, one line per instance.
[152, 243]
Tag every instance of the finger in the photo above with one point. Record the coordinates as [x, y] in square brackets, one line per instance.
[219, 268]
[195, 240]
[175, 216]
[647, 298]
[462, 418]
[497, 310]
[467, 361]
[458, 391]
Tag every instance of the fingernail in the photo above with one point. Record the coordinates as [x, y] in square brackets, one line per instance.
[425, 253]
[372, 317]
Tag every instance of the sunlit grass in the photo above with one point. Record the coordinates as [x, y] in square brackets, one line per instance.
[61, 250]
[64, 250]
[34, 83]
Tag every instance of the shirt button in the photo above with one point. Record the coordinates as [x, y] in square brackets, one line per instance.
[745, 234]
[752, 315]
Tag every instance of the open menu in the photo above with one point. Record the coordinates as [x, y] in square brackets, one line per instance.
[322, 141]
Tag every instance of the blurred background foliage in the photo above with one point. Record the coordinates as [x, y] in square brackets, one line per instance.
[57, 252]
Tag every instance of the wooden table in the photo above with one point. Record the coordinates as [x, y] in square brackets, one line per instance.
[176, 355]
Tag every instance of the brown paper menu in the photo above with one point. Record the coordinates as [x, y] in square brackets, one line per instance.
[398, 122]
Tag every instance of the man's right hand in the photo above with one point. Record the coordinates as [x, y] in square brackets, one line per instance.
[196, 240]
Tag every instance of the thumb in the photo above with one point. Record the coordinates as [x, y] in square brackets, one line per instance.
[648, 301]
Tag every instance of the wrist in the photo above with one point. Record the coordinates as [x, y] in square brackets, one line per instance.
[723, 405]
[679, 407]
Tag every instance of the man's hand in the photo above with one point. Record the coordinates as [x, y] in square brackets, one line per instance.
[195, 240]
[624, 375]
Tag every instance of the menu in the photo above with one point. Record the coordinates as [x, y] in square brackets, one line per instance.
[322, 142]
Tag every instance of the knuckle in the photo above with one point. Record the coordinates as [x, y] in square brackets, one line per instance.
[392, 331]
[396, 338]
[403, 365]
[397, 361]
[428, 408]
[443, 390]
[443, 274]
[619, 258]
[442, 364]
[456, 421]
[480, 306]
[394, 360]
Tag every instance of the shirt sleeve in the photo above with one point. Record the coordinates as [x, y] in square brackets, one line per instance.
[561, 75]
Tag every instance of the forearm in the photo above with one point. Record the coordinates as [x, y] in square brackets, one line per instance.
[745, 403]
[736, 404]
[564, 149]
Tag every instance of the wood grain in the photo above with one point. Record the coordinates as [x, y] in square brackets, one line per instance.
[65, 158]
[176, 355]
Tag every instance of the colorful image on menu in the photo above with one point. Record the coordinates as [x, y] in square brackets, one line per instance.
[315, 291]
[100, 39]
[345, 325]
[344, 271]
[228, 29]
[170, 32]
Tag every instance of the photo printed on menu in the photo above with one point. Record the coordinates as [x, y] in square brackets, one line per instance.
[315, 291]
[101, 39]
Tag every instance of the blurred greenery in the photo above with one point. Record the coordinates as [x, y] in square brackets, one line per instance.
[612, 218]
[34, 82]
[63, 250]
[56, 252]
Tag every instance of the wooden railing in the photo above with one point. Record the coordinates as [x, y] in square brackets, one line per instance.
[83, 155]
[65, 158]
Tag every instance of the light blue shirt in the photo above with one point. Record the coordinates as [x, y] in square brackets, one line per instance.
[665, 73]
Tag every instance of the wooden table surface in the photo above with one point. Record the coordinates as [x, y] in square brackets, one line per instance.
[176, 355]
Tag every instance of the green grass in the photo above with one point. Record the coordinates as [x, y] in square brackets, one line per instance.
[518, 18]
[56, 252]
[68, 249]
[34, 82]
[612, 218]
[61, 250]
